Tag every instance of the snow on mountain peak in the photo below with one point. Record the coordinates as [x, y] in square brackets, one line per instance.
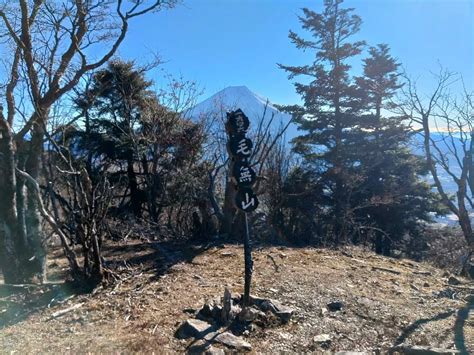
[234, 97]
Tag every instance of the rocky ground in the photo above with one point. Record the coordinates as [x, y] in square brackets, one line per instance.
[381, 302]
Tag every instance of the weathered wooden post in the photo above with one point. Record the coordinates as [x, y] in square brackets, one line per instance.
[243, 176]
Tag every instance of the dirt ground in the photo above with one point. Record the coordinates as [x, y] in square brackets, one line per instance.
[385, 301]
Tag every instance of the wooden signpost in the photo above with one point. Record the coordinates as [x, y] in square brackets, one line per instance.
[244, 177]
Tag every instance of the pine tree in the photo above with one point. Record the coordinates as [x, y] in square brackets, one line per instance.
[330, 108]
[147, 148]
[392, 200]
[112, 109]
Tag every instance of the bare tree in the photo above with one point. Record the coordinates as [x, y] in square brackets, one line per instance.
[51, 44]
[277, 168]
[79, 211]
[266, 135]
[452, 150]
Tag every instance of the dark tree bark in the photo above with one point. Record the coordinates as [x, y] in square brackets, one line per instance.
[34, 234]
[10, 246]
[135, 196]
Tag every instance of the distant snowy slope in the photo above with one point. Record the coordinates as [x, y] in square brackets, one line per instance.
[447, 149]
[234, 97]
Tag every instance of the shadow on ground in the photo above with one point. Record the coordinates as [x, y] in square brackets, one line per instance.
[159, 256]
[462, 315]
[18, 302]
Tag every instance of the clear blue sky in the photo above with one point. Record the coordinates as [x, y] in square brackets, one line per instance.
[221, 43]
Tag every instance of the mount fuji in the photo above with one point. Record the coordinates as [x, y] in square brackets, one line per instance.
[253, 105]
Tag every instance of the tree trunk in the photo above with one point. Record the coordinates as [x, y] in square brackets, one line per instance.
[22, 253]
[340, 230]
[471, 165]
[135, 200]
[10, 246]
[88, 136]
[36, 250]
[211, 194]
[20, 197]
[229, 209]
[465, 221]
[340, 193]
[460, 211]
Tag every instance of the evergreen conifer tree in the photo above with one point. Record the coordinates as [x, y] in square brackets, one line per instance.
[330, 108]
[112, 109]
[368, 182]
[393, 198]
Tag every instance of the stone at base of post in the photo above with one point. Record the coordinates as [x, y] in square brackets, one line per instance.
[226, 306]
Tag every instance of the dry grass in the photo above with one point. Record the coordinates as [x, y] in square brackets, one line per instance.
[386, 301]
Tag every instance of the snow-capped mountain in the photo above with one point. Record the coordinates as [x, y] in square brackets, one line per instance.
[252, 104]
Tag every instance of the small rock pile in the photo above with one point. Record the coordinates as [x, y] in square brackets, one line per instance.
[225, 323]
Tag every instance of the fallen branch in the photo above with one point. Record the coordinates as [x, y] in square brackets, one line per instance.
[467, 288]
[277, 268]
[62, 312]
[386, 270]
[423, 273]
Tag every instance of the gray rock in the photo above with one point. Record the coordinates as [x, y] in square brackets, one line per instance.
[189, 310]
[281, 311]
[193, 328]
[199, 347]
[249, 314]
[446, 293]
[214, 351]
[335, 306]
[268, 305]
[211, 336]
[216, 312]
[232, 341]
[227, 306]
[255, 300]
[351, 353]
[285, 313]
[322, 339]
[205, 312]
[203, 347]
[234, 313]
[454, 281]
